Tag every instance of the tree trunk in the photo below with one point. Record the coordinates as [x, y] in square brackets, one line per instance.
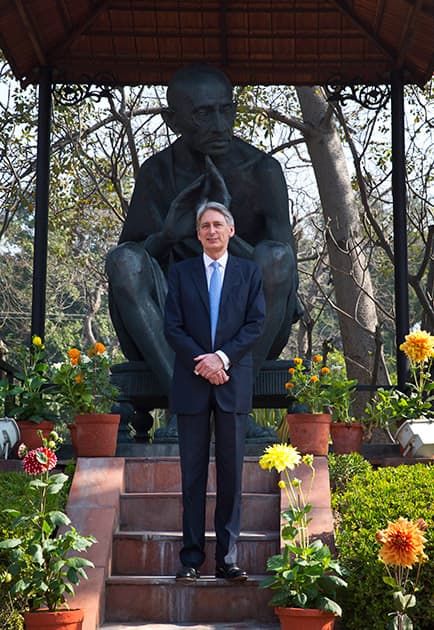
[349, 267]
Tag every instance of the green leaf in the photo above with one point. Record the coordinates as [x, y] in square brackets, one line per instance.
[324, 603]
[275, 563]
[403, 601]
[390, 581]
[35, 552]
[11, 511]
[59, 478]
[57, 518]
[268, 582]
[38, 483]
[331, 582]
[78, 562]
[11, 543]
[300, 600]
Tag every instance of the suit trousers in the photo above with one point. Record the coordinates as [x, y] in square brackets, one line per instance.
[194, 435]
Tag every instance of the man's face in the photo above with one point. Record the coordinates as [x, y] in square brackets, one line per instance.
[205, 117]
[214, 233]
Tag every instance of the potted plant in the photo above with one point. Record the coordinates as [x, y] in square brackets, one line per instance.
[306, 578]
[346, 432]
[31, 394]
[86, 394]
[42, 569]
[318, 390]
[409, 415]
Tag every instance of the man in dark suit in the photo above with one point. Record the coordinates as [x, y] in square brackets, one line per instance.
[213, 373]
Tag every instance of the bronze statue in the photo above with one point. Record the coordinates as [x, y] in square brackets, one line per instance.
[206, 162]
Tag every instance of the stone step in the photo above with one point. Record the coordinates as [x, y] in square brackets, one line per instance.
[251, 624]
[163, 475]
[162, 600]
[154, 511]
[157, 553]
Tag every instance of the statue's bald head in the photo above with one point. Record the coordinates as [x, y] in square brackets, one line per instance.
[187, 80]
[201, 109]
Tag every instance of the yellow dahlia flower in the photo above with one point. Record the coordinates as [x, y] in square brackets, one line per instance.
[280, 456]
[418, 346]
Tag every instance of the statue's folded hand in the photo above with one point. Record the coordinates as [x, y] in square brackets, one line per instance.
[180, 222]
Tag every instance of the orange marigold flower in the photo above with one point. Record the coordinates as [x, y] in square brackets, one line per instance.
[418, 346]
[313, 379]
[298, 361]
[317, 358]
[401, 543]
[291, 370]
[289, 385]
[325, 370]
[79, 378]
[99, 348]
[74, 356]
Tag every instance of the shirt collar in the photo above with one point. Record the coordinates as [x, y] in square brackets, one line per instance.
[221, 261]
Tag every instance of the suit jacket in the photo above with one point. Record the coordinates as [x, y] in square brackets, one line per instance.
[188, 332]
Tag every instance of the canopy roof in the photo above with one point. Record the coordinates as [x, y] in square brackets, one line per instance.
[301, 42]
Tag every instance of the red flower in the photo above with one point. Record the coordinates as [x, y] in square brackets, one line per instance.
[39, 461]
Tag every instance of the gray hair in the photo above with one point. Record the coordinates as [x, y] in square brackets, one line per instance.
[214, 205]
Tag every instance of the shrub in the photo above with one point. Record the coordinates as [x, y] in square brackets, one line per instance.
[13, 485]
[342, 468]
[369, 501]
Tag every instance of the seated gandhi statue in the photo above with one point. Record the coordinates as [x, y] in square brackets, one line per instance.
[206, 162]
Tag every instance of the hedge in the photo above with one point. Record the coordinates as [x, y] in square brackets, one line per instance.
[370, 499]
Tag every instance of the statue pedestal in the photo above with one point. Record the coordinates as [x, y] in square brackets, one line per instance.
[140, 393]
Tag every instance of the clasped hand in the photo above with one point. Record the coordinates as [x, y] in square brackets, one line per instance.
[210, 367]
[179, 223]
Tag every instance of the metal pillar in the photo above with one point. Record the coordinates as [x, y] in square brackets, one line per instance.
[399, 224]
[41, 207]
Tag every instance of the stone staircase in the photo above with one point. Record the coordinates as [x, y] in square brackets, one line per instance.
[132, 506]
[141, 585]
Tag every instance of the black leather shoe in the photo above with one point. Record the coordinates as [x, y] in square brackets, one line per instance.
[231, 572]
[187, 575]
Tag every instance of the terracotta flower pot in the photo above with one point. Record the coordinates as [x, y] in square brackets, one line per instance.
[57, 620]
[310, 432]
[305, 619]
[29, 432]
[346, 437]
[73, 433]
[97, 434]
